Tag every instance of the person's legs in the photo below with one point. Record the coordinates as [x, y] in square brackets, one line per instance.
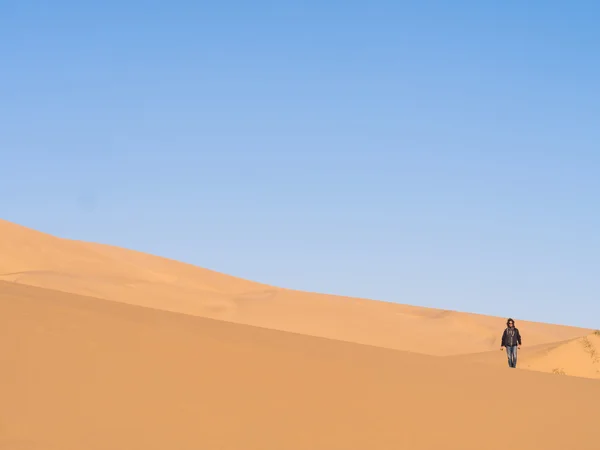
[512, 356]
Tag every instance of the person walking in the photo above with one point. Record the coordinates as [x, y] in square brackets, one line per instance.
[511, 341]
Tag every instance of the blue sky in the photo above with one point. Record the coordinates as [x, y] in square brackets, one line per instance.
[441, 154]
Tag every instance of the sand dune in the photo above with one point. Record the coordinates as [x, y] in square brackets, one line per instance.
[106, 348]
[37, 259]
[78, 372]
[578, 357]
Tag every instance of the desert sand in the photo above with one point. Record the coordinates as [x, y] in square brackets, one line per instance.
[107, 348]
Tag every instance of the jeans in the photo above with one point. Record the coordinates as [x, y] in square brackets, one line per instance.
[511, 352]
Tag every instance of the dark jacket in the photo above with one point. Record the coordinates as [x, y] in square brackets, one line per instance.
[506, 338]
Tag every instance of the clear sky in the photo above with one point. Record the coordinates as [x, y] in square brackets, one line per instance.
[442, 154]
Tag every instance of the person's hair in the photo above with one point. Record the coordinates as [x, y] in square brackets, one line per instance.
[509, 321]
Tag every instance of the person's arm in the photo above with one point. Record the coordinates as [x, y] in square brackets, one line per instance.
[519, 337]
[503, 340]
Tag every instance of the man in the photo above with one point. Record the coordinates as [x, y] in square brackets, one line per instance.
[511, 340]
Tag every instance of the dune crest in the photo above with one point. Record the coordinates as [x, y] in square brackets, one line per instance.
[38, 259]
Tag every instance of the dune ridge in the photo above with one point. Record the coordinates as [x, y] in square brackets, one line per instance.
[38, 259]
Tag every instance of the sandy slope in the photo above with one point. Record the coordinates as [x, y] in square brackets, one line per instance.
[578, 357]
[82, 373]
[37, 259]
